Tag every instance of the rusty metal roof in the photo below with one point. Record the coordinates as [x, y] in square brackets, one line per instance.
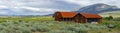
[88, 15]
[73, 14]
[68, 14]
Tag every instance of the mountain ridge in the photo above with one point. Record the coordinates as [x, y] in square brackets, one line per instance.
[98, 8]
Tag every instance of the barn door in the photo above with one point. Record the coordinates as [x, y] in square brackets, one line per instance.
[92, 20]
[78, 20]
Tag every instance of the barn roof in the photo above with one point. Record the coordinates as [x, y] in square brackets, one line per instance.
[68, 14]
[87, 15]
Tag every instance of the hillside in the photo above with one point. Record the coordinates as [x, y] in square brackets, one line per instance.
[98, 8]
[112, 13]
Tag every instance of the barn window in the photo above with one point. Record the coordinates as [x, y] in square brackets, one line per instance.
[89, 20]
[67, 19]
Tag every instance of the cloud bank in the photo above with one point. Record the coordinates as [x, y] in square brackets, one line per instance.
[43, 7]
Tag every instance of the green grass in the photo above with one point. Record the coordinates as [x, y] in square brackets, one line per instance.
[46, 24]
[115, 14]
[27, 19]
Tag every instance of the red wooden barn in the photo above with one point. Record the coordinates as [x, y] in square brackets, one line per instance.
[88, 18]
[77, 17]
[64, 16]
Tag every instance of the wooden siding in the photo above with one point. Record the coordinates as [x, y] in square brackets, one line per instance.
[82, 19]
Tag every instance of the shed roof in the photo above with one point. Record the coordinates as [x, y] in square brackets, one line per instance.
[87, 15]
[68, 14]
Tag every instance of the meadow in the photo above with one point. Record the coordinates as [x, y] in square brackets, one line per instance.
[112, 13]
[46, 24]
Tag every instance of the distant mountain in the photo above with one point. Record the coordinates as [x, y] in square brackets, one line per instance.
[98, 8]
[48, 15]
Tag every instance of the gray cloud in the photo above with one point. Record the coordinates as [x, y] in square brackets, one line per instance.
[41, 7]
[35, 6]
[90, 2]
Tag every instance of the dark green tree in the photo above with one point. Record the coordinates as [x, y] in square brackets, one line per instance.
[109, 18]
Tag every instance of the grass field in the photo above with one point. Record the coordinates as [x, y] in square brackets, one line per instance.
[27, 19]
[46, 24]
[115, 14]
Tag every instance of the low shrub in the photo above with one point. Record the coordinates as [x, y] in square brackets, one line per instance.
[61, 31]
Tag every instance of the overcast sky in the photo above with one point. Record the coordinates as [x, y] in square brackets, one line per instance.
[42, 7]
